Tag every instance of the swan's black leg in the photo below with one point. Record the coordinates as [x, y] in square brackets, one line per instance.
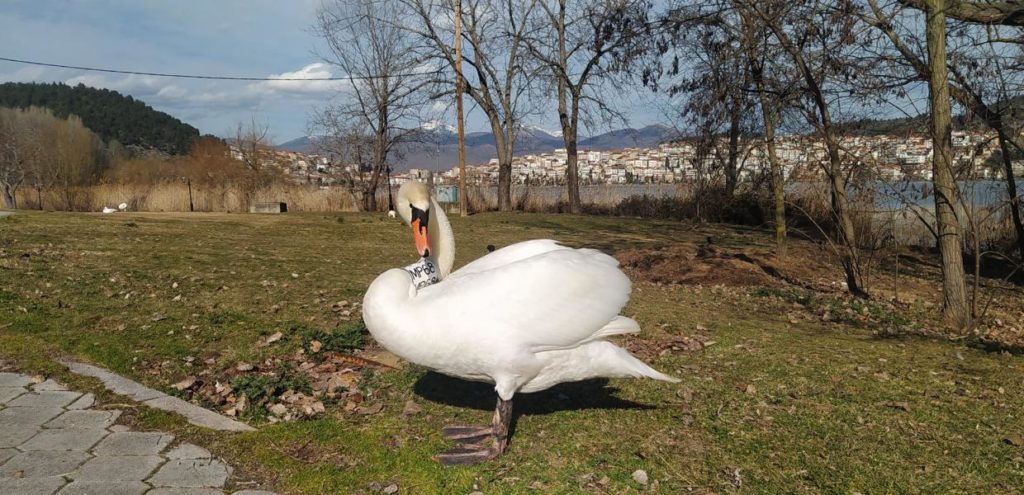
[471, 449]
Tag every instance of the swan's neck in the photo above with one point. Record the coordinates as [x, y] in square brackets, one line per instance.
[443, 240]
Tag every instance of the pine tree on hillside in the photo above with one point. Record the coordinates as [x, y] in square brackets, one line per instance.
[108, 113]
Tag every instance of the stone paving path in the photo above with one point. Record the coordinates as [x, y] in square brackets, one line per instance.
[53, 441]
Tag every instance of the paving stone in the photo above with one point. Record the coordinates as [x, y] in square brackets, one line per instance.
[117, 468]
[189, 451]
[6, 454]
[14, 380]
[116, 383]
[42, 463]
[31, 486]
[48, 385]
[253, 492]
[191, 473]
[119, 428]
[8, 393]
[93, 420]
[104, 488]
[45, 399]
[84, 402]
[15, 435]
[184, 491]
[198, 415]
[64, 439]
[133, 443]
[27, 416]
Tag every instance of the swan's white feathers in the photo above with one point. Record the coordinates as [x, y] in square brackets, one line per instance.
[508, 254]
[556, 299]
[525, 317]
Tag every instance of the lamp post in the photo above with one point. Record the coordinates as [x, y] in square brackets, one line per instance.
[187, 181]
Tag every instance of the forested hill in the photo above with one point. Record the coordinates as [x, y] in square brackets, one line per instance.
[107, 113]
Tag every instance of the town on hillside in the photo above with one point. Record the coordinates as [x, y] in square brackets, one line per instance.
[884, 157]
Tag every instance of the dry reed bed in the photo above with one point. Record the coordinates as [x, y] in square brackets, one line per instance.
[172, 197]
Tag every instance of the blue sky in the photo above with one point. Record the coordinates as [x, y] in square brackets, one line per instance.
[253, 38]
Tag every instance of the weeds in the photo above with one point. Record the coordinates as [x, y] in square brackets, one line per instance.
[342, 340]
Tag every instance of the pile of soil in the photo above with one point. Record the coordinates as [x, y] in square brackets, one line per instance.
[708, 264]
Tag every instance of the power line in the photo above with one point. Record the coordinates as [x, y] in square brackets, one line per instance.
[219, 78]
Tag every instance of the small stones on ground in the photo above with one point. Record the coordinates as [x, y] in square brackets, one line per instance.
[273, 338]
[411, 407]
[390, 489]
[1015, 440]
[243, 367]
[185, 384]
[640, 476]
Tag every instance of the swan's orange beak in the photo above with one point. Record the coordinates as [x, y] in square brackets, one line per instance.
[420, 219]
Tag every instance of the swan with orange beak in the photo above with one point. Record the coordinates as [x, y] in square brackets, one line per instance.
[558, 306]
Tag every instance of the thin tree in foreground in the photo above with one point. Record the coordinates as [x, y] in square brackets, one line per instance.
[386, 77]
[582, 44]
[495, 74]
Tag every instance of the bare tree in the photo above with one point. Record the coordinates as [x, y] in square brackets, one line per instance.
[817, 40]
[584, 44]
[719, 55]
[498, 78]
[368, 42]
[12, 169]
[936, 72]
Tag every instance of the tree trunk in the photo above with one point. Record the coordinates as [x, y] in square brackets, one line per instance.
[1011, 190]
[954, 288]
[505, 179]
[732, 165]
[777, 175]
[9, 201]
[569, 129]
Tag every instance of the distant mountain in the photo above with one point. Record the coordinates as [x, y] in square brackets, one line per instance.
[301, 144]
[436, 145]
[107, 113]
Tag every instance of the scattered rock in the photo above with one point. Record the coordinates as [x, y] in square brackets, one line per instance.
[185, 384]
[315, 346]
[390, 489]
[640, 476]
[244, 367]
[278, 409]
[274, 338]
[750, 390]
[903, 406]
[411, 407]
[374, 408]
[1015, 440]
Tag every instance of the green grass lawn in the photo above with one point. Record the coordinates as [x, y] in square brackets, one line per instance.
[775, 405]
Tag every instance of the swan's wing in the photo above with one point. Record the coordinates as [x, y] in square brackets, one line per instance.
[556, 299]
[506, 255]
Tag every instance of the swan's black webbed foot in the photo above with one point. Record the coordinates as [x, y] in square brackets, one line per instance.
[472, 439]
[466, 455]
[467, 434]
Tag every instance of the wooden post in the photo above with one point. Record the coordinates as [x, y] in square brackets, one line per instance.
[458, 108]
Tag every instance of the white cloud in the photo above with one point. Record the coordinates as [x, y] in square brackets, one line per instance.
[316, 70]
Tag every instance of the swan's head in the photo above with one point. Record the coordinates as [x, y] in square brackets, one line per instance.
[413, 205]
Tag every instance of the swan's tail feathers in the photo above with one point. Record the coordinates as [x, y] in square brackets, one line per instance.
[641, 369]
[618, 326]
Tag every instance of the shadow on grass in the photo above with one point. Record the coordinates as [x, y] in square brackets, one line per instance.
[587, 394]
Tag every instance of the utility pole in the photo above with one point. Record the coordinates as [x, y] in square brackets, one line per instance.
[458, 108]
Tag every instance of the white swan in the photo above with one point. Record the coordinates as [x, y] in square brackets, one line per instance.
[525, 317]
